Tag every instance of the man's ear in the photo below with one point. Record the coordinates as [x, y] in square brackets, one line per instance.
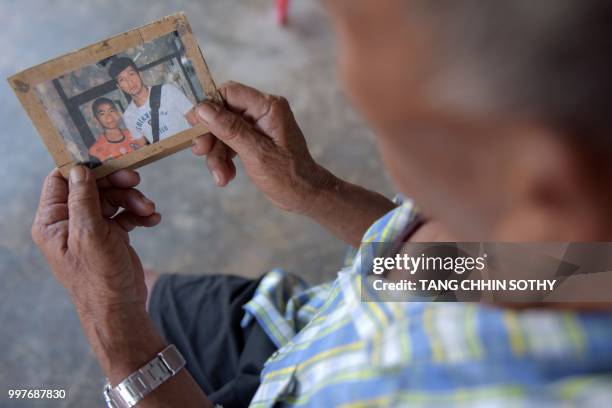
[553, 198]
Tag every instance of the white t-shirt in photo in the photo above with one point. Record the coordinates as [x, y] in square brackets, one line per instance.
[172, 109]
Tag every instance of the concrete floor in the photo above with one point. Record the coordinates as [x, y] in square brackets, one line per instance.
[204, 229]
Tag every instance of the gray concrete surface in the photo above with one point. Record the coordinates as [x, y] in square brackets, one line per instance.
[204, 229]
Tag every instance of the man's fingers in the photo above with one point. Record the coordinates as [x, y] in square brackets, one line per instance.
[218, 157]
[230, 128]
[269, 114]
[53, 207]
[107, 209]
[83, 200]
[231, 168]
[131, 199]
[125, 178]
[128, 221]
[218, 162]
[202, 145]
[244, 100]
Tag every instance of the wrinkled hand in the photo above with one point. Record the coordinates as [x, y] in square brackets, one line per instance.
[85, 240]
[262, 130]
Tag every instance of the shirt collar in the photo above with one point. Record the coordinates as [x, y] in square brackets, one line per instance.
[379, 239]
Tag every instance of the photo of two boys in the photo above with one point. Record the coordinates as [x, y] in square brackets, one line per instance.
[154, 113]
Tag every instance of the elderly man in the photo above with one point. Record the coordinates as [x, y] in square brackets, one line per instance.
[493, 116]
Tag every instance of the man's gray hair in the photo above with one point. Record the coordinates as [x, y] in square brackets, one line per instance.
[548, 60]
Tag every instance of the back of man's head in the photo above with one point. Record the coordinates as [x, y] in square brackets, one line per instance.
[548, 60]
[489, 113]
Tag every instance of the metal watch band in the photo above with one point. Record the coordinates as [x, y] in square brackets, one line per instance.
[144, 380]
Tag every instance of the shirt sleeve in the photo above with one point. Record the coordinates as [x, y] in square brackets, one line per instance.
[178, 99]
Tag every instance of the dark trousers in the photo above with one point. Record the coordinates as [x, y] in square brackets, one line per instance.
[201, 315]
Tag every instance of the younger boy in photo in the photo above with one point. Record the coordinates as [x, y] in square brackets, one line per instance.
[114, 141]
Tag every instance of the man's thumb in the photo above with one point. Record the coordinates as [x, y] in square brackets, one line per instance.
[227, 126]
[83, 200]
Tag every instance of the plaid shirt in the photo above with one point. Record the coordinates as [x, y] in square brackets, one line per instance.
[335, 350]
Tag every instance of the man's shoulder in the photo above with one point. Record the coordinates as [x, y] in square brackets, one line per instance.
[131, 111]
[169, 89]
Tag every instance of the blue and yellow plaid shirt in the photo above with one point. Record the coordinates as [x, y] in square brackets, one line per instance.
[335, 350]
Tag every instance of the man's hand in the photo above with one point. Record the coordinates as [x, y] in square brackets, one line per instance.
[86, 243]
[83, 233]
[261, 129]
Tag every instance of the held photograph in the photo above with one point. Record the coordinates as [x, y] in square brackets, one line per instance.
[125, 109]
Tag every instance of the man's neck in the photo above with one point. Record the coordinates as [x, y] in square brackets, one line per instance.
[141, 97]
[113, 135]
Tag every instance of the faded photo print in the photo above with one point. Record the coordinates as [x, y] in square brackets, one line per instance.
[132, 99]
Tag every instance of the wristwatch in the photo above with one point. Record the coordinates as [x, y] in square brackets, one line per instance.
[144, 380]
